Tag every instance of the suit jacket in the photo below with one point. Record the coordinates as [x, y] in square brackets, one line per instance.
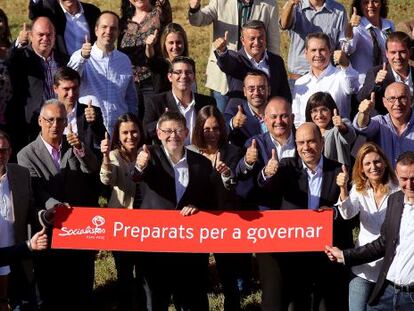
[384, 246]
[379, 89]
[225, 17]
[70, 184]
[236, 65]
[155, 106]
[291, 181]
[12, 254]
[253, 196]
[158, 182]
[53, 10]
[239, 136]
[27, 76]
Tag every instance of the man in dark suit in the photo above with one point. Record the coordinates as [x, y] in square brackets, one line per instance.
[181, 98]
[17, 213]
[245, 117]
[175, 178]
[31, 71]
[279, 123]
[60, 170]
[305, 182]
[397, 70]
[252, 56]
[73, 21]
[395, 285]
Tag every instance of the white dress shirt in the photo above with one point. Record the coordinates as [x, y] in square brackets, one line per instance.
[262, 65]
[181, 175]
[371, 218]
[6, 218]
[189, 115]
[401, 271]
[341, 83]
[287, 150]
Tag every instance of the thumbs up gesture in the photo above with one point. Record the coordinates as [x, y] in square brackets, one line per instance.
[90, 115]
[337, 120]
[239, 119]
[367, 104]
[342, 178]
[221, 167]
[23, 38]
[86, 48]
[72, 138]
[39, 240]
[271, 166]
[143, 158]
[251, 153]
[381, 74]
[355, 18]
[106, 146]
[220, 43]
[340, 58]
[152, 38]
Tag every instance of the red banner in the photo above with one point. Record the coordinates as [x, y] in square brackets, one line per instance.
[204, 232]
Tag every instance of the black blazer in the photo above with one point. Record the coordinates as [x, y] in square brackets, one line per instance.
[12, 254]
[236, 65]
[53, 10]
[384, 246]
[370, 86]
[155, 106]
[158, 182]
[291, 181]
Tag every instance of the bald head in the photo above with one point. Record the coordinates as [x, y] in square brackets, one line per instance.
[42, 36]
[279, 118]
[309, 143]
[397, 100]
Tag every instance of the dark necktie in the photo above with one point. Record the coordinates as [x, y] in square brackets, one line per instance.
[376, 50]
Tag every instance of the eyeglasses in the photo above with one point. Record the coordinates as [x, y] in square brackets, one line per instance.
[59, 121]
[186, 73]
[171, 131]
[319, 110]
[259, 89]
[402, 99]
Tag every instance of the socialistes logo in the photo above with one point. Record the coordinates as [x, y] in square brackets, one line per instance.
[90, 231]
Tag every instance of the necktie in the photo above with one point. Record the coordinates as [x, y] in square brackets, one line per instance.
[56, 157]
[376, 50]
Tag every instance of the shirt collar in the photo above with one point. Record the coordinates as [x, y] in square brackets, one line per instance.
[98, 53]
[180, 105]
[251, 59]
[67, 12]
[50, 147]
[182, 160]
[319, 167]
[384, 23]
[45, 59]
[289, 141]
[328, 70]
[327, 5]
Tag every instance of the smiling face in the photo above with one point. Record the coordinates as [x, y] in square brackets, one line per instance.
[256, 90]
[398, 56]
[318, 54]
[397, 100]
[279, 119]
[129, 136]
[181, 77]
[52, 121]
[405, 175]
[42, 36]
[371, 9]
[211, 132]
[106, 31]
[144, 5]
[373, 167]
[321, 116]
[172, 135]
[174, 45]
[254, 42]
[67, 92]
[309, 143]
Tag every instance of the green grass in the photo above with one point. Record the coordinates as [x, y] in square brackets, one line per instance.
[200, 42]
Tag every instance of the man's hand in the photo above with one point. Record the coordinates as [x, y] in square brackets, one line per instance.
[334, 254]
[340, 58]
[188, 210]
[23, 38]
[367, 105]
[90, 114]
[272, 165]
[220, 44]
[239, 119]
[355, 18]
[72, 138]
[143, 158]
[86, 48]
[39, 240]
[381, 74]
[251, 153]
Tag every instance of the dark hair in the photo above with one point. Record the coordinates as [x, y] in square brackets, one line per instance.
[357, 4]
[320, 36]
[128, 10]
[182, 59]
[202, 116]
[107, 12]
[320, 99]
[257, 73]
[6, 38]
[254, 24]
[4, 135]
[65, 74]
[172, 116]
[127, 117]
[177, 29]
[406, 158]
[399, 36]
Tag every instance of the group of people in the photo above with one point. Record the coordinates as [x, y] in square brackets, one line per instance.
[86, 119]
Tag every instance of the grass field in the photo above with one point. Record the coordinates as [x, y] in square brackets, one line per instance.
[199, 39]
